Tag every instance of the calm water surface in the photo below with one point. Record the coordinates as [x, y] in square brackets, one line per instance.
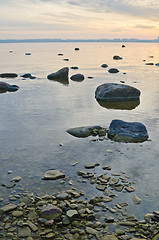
[34, 120]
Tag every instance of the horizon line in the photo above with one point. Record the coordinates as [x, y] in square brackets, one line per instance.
[14, 40]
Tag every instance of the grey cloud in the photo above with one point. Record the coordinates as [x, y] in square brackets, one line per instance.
[145, 26]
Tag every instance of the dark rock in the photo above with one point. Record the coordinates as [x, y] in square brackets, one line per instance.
[123, 46]
[66, 59]
[4, 87]
[104, 65]
[149, 64]
[112, 92]
[77, 49]
[60, 54]
[8, 75]
[62, 73]
[28, 75]
[113, 70]
[74, 67]
[116, 57]
[157, 64]
[89, 77]
[28, 54]
[77, 77]
[121, 131]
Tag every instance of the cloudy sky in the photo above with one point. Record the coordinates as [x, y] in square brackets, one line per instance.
[79, 19]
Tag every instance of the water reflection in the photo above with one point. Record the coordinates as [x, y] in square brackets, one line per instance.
[63, 81]
[120, 105]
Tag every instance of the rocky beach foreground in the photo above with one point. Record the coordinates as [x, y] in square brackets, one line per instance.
[71, 214]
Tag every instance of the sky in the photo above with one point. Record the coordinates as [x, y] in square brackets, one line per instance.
[79, 19]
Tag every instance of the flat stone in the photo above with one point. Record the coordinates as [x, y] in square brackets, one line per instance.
[17, 213]
[72, 213]
[8, 75]
[83, 132]
[53, 175]
[7, 208]
[90, 165]
[62, 196]
[101, 187]
[24, 231]
[136, 200]
[92, 231]
[109, 237]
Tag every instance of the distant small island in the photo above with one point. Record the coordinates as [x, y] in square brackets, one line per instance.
[79, 40]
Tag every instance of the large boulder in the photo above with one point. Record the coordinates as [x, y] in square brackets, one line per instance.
[133, 132]
[112, 92]
[62, 73]
[4, 87]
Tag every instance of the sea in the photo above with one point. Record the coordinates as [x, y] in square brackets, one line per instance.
[35, 119]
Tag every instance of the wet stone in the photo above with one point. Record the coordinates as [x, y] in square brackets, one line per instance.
[7, 208]
[72, 213]
[53, 175]
[50, 212]
[17, 213]
[24, 231]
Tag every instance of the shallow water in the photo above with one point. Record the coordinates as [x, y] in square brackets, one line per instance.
[34, 119]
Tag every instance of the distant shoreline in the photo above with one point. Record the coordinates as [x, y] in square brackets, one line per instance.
[78, 40]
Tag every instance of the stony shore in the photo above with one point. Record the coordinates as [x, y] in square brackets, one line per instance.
[71, 214]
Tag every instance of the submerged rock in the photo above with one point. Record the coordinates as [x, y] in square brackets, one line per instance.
[8, 75]
[83, 132]
[77, 77]
[113, 92]
[62, 73]
[4, 87]
[121, 131]
[53, 175]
